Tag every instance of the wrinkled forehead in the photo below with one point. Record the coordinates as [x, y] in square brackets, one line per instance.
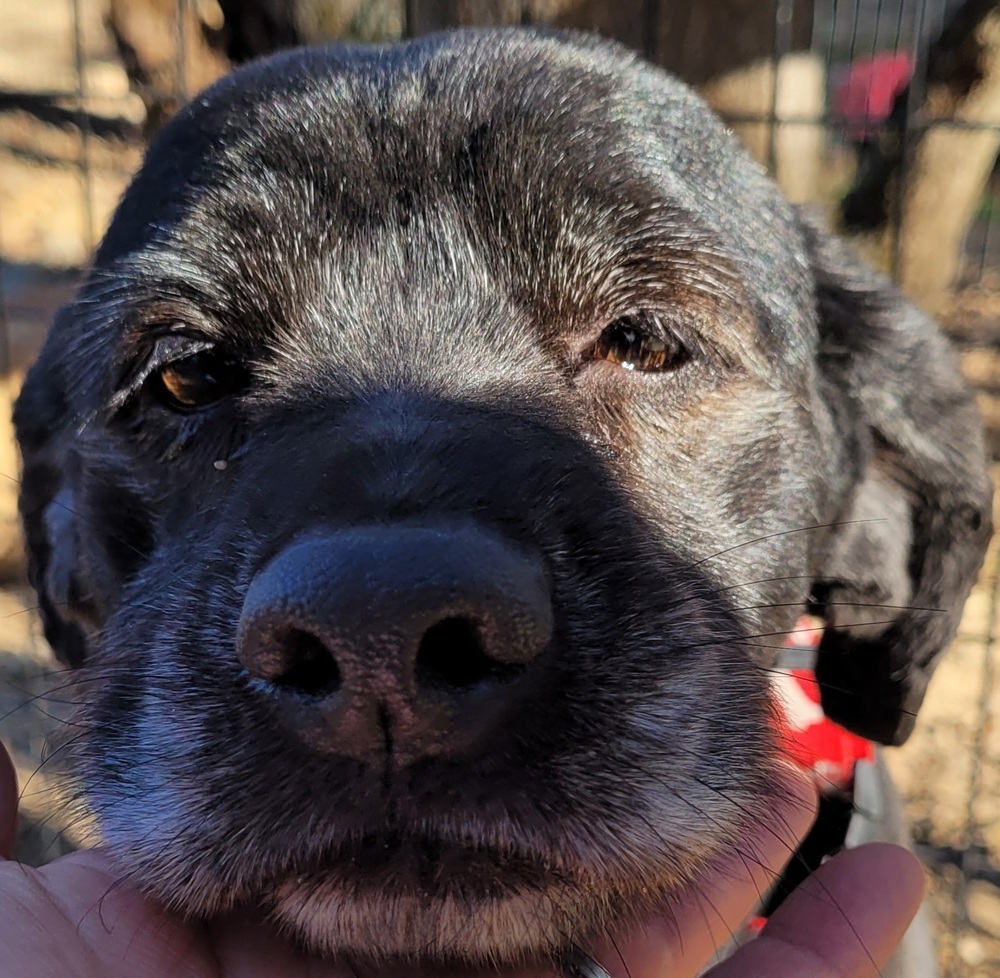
[568, 182]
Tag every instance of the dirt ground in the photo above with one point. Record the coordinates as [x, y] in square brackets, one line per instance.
[49, 218]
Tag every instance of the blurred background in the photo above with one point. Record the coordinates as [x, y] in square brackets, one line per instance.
[883, 113]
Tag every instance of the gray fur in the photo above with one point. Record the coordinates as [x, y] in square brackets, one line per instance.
[408, 248]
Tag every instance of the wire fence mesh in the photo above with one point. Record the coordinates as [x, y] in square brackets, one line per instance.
[827, 95]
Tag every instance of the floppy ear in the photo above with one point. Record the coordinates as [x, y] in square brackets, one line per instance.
[44, 427]
[912, 527]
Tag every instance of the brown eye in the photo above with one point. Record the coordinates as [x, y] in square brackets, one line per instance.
[639, 342]
[198, 380]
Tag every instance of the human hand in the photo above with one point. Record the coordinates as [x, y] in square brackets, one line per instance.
[75, 918]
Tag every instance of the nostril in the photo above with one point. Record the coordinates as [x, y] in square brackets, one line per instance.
[308, 666]
[451, 655]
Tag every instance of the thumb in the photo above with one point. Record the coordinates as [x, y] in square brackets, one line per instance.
[8, 805]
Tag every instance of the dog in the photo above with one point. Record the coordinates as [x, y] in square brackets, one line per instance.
[440, 446]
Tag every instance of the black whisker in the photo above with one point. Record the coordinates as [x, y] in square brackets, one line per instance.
[781, 533]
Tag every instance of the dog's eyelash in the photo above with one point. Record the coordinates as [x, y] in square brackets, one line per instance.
[183, 373]
[137, 374]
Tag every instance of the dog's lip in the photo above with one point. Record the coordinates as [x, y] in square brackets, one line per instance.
[424, 848]
[425, 842]
[425, 863]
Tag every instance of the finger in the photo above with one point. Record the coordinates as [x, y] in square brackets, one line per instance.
[246, 945]
[704, 916]
[845, 921]
[8, 805]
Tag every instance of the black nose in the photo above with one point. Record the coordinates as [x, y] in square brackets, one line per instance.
[408, 640]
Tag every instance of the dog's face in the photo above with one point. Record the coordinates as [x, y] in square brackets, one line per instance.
[443, 440]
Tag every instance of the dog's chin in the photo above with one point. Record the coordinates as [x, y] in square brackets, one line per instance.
[505, 928]
[426, 902]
